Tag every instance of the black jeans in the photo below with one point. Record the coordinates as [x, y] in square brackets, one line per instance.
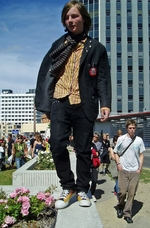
[64, 117]
[94, 178]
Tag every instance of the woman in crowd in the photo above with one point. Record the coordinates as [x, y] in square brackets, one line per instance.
[105, 155]
[39, 145]
[20, 152]
[95, 163]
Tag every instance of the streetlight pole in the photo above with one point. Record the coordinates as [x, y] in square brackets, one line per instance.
[34, 124]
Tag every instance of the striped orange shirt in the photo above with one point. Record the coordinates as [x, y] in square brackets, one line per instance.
[67, 84]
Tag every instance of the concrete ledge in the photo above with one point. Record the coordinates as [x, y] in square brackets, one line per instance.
[26, 176]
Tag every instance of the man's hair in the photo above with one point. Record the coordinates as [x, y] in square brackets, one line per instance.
[97, 133]
[130, 122]
[20, 136]
[83, 11]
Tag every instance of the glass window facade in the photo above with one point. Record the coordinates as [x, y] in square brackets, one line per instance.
[130, 36]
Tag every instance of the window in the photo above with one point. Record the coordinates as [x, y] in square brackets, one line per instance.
[130, 97]
[118, 39]
[141, 68]
[119, 68]
[107, 25]
[129, 68]
[107, 12]
[108, 39]
[129, 25]
[118, 55]
[118, 25]
[139, 25]
[119, 82]
[130, 83]
[129, 39]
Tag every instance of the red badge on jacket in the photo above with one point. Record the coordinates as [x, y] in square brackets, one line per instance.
[93, 71]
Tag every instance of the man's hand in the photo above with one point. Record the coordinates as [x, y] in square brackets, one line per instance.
[119, 167]
[104, 114]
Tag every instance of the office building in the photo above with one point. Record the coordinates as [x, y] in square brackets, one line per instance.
[123, 26]
[17, 109]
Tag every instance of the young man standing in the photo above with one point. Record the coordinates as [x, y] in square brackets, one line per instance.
[129, 159]
[73, 76]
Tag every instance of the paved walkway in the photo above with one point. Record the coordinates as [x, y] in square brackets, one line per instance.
[107, 202]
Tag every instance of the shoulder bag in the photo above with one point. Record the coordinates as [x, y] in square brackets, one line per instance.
[128, 146]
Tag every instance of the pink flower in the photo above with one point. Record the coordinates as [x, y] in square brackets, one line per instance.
[25, 190]
[47, 194]
[13, 195]
[18, 191]
[19, 199]
[26, 206]
[22, 191]
[9, 220]
[49, 200]
[41, 196]
[24, 212]
[25, 199]
[3, 201]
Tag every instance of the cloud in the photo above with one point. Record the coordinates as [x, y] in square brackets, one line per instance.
[20, 75]
[27, 28]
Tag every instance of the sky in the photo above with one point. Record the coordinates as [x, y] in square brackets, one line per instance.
[27, 30]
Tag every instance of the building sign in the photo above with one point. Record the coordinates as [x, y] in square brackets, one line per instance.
[15, 131]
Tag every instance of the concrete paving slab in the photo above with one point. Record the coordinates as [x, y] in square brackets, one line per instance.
[75, 216]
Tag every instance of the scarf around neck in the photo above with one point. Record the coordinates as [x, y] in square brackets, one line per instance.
[61, 54]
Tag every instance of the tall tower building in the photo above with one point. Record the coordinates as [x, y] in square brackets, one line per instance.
[123, 26]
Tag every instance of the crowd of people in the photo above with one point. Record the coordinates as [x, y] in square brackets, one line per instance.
[14, 150]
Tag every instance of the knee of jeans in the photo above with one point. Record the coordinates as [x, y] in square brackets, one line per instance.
[58, 149]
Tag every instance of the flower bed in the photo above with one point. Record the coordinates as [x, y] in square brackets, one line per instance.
[21, 209]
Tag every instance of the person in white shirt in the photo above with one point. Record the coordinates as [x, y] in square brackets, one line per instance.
[129, 160]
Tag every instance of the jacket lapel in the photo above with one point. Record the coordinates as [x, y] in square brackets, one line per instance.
[87, 47]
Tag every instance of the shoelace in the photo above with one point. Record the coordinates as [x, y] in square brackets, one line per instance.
[82, 195]
[64, 194]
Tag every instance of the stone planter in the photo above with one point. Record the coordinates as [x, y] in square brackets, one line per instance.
[26, 176]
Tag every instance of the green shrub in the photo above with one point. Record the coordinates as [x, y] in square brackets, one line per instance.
[45, 161]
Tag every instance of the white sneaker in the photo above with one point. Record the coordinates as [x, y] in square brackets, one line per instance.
[83, 199]
[64, 199]
[94, 198]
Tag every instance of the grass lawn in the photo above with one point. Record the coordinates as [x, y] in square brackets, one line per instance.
[6, 176]
[145, 176]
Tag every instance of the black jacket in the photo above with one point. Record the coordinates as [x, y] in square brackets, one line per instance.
[92, 88]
